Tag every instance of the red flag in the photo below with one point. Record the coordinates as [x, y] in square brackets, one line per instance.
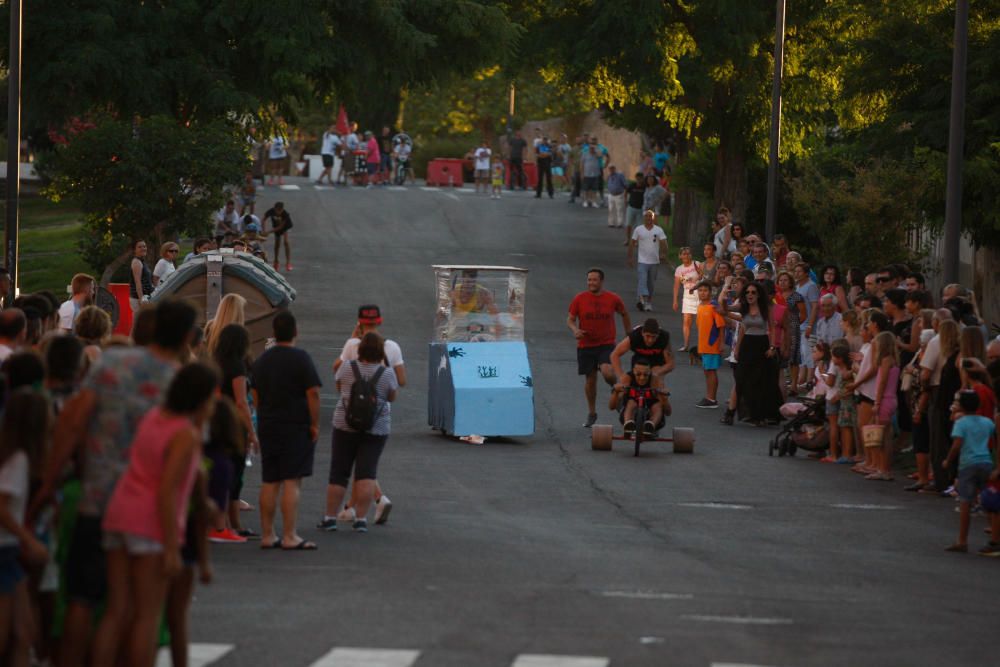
[343, 125]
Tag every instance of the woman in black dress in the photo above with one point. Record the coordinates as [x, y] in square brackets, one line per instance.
[757, 394]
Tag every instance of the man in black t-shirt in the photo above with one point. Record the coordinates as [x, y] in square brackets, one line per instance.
[286, 393]
[634, 195]
[281, 222]
[650, 343]
[517, 145]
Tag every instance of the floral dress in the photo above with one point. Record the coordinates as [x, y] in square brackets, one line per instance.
[793, 300]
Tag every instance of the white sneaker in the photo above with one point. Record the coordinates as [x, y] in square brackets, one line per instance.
[382, 509]
[347, 514]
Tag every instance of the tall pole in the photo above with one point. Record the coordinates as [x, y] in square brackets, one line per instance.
[772, 161]
[956, 144]
[13, 145]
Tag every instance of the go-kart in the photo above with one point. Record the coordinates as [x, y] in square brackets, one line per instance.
[602, 436]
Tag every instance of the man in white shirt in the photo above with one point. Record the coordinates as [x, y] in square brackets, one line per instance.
[828, 322]
[649, 244]
[13, 331]
[83, 289]
[481, 155]
[328, 151]
[369, 319]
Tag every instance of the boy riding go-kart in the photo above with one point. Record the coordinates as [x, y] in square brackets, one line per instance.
[639, 400]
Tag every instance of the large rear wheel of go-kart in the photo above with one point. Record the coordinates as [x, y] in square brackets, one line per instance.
[600, 437]
[770, 447]
[683, 440]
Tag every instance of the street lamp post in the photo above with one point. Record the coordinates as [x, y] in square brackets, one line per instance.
[772, 162]
[956, 144]
[13, 146]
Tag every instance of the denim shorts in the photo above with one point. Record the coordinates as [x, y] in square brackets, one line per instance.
[971, 480]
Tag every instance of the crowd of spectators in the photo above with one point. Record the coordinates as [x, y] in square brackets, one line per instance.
[123, 457]
[891, 365]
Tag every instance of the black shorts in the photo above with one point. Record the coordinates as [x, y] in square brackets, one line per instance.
[327, 160]
[360, 451]
[86, 572]
[590, 359]
[286, 454]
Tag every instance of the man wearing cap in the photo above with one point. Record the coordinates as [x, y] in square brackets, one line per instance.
[369, 319]
[650, 343]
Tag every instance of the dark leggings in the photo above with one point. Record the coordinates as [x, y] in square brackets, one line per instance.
[360, 451]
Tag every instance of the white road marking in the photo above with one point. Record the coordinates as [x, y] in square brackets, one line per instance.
[647, 595]
[465, 190]
[397, 188]
[323, 187]
[448, 194]
[737, 620]
[538, 660]
[426, 188]
[289, 187]
[735, 664]
[718, 506]
[199, 655]
[865, 506]
[367, 657]
[651, 640]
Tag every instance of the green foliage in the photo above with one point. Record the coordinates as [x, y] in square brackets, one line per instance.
[479, 104]
[156, 180]
[191, 59]
[862, 214]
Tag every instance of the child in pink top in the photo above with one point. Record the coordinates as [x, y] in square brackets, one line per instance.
[886, 359]
[145, 518]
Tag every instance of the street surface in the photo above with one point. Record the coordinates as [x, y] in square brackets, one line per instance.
[539, 552]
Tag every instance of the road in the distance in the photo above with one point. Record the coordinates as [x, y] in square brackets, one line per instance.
[542, 546]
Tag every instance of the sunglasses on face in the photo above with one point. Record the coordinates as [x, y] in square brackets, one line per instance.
[883, 279]
[749, 292]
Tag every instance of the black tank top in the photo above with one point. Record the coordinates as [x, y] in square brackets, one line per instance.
[147, 282]
[653, 354]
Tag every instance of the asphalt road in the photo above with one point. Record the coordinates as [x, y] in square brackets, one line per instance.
[498, 552]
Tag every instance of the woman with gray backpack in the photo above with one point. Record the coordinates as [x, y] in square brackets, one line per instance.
[361, 423]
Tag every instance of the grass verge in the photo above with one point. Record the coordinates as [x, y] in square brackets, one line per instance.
[47, 245]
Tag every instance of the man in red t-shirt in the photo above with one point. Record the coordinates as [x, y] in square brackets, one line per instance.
[592, 321]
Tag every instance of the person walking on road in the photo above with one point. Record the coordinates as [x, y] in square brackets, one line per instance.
[517, 145]
[634, 193]
[356, 448]
[592, 321]
[616, 197]
[369, 320]
[543, 164]
[286, 393]
[331, 141]
[281, 222]
[649, 245]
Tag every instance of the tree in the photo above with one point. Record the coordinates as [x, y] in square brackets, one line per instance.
[155, 180]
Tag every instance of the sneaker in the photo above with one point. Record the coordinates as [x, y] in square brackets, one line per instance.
[347, 515]
[328, 524]
[648, 307]
[591, 420]
[277, 267]
[640, 306]
[360, 526]
[382, 509]
[707, 404]
[288, 267]
[629, 428]
[648, 428]
[958, 548]
[225, 536]
[991, 550]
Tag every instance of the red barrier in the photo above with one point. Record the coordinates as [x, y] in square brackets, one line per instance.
[444, 171]
[120, 292]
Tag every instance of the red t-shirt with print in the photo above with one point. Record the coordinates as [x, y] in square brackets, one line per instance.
[596, 316]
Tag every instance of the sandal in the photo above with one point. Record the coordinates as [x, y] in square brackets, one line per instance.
[304, 545]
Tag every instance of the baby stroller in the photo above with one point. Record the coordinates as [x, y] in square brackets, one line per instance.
[806, 429]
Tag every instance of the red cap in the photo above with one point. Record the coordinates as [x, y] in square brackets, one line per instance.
[369, 314]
